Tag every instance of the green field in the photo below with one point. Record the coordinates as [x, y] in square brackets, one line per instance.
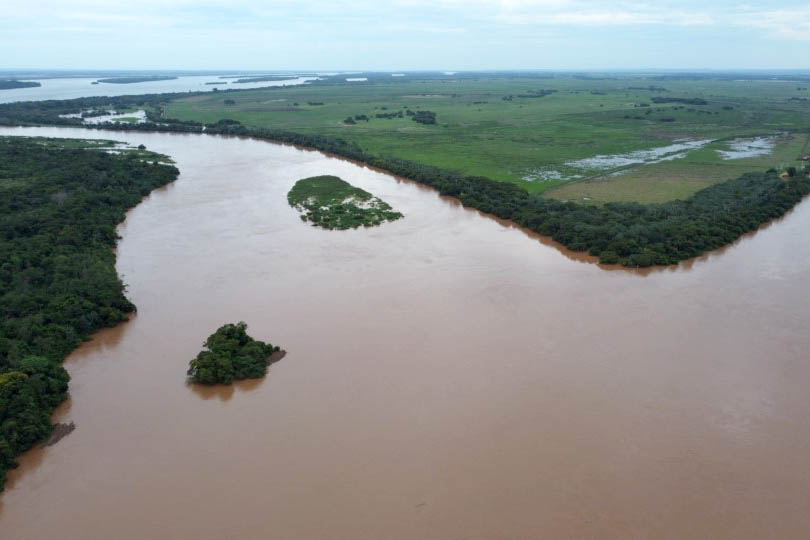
[532, 141]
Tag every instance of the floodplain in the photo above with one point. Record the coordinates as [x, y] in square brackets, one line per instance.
[658, 137]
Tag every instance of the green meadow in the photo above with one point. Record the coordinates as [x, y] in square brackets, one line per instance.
[531, 131]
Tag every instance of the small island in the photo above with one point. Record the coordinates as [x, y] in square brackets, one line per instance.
[232, 355]
[332, 203]
[266, 78]
[133, 80]
[9, 84]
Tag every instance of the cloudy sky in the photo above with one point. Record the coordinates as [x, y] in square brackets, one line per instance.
[403, 34]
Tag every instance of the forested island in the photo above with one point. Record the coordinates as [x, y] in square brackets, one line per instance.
[230, 355]
[12, 84]
[60, 202]
[332, 203]
[133, 80]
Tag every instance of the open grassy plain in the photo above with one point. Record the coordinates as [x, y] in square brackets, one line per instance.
[541, 131]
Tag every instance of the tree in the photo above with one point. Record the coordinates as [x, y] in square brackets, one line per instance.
[231, 355]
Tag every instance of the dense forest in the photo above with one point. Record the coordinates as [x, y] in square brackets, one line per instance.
[59, 207]
[12, 84]
[630, 234]
[231, 354]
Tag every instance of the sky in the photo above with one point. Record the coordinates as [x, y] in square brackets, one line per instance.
[390, 35]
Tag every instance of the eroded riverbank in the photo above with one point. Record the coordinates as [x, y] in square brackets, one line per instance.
[452, 376]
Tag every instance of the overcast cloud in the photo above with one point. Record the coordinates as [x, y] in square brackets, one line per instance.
[403, 34]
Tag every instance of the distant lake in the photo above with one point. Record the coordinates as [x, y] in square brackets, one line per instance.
[69, 88]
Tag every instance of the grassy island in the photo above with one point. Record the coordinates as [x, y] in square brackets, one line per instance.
[231, 355]
[133, 80]
[12, 84]
[60, 200]
[332, 203]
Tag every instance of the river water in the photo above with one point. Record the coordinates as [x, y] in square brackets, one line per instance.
[75, 87]
[448, 376]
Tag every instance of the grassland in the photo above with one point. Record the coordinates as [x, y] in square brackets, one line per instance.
[535, 141]
[678, 179]
[332, 203]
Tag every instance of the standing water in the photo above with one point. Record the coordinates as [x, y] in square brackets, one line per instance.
[76, 87]
[447, 376]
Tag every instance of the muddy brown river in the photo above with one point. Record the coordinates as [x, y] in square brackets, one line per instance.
[448, 376]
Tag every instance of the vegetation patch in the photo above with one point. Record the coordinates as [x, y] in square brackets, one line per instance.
[687, 101]
[12, 84]
[231, 354]
[332, 203]
[424, 117]
[264, 79]
[59, 204]
[133, 80]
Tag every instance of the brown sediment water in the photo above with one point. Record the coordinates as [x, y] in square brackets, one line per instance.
[447, 376]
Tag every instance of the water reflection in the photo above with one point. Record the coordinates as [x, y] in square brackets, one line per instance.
[224, 392]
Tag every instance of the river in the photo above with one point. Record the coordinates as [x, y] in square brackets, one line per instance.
[76, 87]
[448, 376]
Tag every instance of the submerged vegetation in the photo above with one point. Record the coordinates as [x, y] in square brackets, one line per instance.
[231, 355]
[12, 84]
[59, 205]
[332, 203]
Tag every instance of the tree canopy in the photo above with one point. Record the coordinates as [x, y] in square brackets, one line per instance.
[231, 354]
